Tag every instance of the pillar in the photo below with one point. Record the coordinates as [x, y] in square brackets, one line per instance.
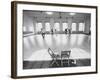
[52, 23]
[77, 26]
[70, 22]
[61, 26]
[34, 25]
[87, 25]
[43, 25]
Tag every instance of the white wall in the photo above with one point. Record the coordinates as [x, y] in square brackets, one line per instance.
[28, 22]
[87, 25]
[5, 41]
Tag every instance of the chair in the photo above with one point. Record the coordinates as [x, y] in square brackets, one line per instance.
[53, 56]
[65, 55]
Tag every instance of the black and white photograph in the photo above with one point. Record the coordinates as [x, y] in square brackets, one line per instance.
[56, 39]
[53, 39]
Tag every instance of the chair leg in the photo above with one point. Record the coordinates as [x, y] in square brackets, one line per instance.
[68, 62]
[61, 62]
[57, 63]
[51, 63]
[54, 61]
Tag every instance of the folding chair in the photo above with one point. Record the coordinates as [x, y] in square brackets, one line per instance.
[65, 55]
[54, 57]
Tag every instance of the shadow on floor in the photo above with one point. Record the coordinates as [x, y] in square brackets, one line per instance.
[47, 64]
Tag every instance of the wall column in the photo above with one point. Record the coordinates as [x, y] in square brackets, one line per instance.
[70, 23]
[87, 25]
[61, 26]
[34, 25]
[52, 23]
[43, 25]
[77, 26]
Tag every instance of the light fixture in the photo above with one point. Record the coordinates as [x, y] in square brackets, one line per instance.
[49, 13]
[72, 14]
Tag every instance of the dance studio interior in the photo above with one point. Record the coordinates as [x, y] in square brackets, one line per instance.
[54, 39]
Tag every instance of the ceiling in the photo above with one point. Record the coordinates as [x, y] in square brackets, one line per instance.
[42, 14]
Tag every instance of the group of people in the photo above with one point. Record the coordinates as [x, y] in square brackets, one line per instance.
[67, 31]
[43, 32]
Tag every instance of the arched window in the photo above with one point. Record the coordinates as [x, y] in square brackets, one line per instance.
[73, 26]
[65, 25]
[47, 26]
[57, 26]
[81, 26]
[38, 26]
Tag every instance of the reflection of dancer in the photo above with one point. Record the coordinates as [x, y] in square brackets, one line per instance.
[43, 33]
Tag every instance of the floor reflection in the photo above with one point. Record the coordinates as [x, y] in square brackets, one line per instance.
[57, 42]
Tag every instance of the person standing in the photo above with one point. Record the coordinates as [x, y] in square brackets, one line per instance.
[52, 31]
[43, 33]
[66, 31]
[69, 31]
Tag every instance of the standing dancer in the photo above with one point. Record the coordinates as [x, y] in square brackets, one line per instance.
[52, 31]
[43, 33]
[66, 31]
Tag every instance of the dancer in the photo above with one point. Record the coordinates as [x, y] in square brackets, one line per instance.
[69, 31]
[66, 31]
[43, 33]
[52, 31]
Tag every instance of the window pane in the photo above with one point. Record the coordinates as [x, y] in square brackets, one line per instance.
[81, 26]
[38, 27]
[73, 26]
[47, 26]
[65, 25]
[57, 26]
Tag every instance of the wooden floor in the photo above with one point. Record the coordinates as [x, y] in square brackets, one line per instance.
[35, 56]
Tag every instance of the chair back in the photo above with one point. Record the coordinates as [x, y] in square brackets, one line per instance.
[65, 54]
[51, 53]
